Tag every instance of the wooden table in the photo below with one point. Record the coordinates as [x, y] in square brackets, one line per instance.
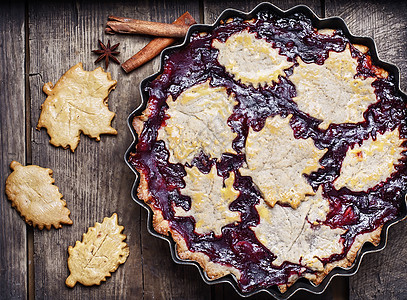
[38, 43]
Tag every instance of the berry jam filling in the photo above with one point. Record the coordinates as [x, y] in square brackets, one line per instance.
[356, 212]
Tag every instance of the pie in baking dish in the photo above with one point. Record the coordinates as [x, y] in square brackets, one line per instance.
[271, 150]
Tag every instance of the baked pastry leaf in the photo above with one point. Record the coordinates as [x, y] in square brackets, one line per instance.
[289, 150]
[333, 92]
[280, 177]
[210, 200]
[197, 122]
[77, 103]
[251, 60]
[99, 254]
[33, 194]
[373, 162]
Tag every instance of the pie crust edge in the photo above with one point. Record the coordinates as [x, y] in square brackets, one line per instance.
[217, 270]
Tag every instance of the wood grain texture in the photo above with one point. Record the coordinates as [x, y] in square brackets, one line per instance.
[94, 180]
[13, 248]
[384, 21]
[162, 278]
[213, 8]
[381, 275]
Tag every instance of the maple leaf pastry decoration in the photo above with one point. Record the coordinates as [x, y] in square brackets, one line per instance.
[271, 150]
[77, 104]
[107, 52]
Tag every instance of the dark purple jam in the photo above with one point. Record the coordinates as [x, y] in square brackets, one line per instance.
[357, 212]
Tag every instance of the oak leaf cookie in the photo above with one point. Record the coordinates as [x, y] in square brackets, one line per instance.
[77, 103]
[32, 192]
[99, 254]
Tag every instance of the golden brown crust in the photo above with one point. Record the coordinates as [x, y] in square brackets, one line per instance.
[361, 48]
[213, 270]
[107, 241]
[143, 193]
[77, 104]
[381, 73]
[216, 270]
[33, 194]
[347, 262]
[162, 226]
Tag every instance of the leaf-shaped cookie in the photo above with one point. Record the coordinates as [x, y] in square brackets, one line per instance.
[77, 103]
[32, 192]
[100, 253]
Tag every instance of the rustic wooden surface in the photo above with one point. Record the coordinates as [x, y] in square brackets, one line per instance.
[40, 41]
[13, 235]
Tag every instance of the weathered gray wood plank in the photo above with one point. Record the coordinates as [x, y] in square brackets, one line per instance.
[94, 180]
[13, 240]
[381, 275]
[96, 183]
[213, 8]
[384, 21]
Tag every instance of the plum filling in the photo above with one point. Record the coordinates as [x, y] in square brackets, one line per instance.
[356, 212]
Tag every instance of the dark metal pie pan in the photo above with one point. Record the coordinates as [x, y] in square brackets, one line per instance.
[329, 23]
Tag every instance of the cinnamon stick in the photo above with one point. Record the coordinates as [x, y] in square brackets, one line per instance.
[153, 48]
[133, 26]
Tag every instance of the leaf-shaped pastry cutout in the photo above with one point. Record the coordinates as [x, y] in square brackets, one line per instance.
[198, 121]
[372, 162]
[77, 103]
[299, 235]
[280, 176]
[32, 192]
[211, 197]
[251, 60]
[100, 253]
[332, 92]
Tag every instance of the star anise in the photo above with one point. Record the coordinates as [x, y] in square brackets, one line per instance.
[107, 52]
